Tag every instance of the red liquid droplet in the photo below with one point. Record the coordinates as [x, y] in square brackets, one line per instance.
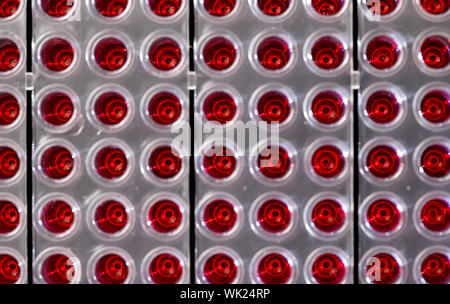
[382, 107]
[382, 7]
[386, 271]
[111, 108]
[274, 269]
[9, 269]
[57, 8]
[328, 268]
[9, 55]
[111, 54]
[57, 216]
[435, 52]
[111, 216]
[328, 107]
[9, 109]
[220, 269]
[9, 163]
[165, 8]
[111, 8]
[219, 53]
[164, 163]
[328, 216]
[165, 108]
[435, 7]
[111, 162]
[273, 7]
[220, 107]
[58, 269]
[9, 217]
[220, 216]
[435, 215]
[111, 269]
[328, 53]
[57, 109]
[219, 8]
[165, 269]
[382, 52]
[57, 54]
[165, 54]
[328, 161]
[274, 162]
[274, 216]
[436, 269]
[274, 53]
[8, 8]
[327, 7]
[383, 161]
[57, 162]
[435, 161]
[165, 216]
[435, 106]
[383, 215]
[219, 163]
[274, 107]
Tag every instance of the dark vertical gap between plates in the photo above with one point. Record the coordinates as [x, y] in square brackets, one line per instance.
[29, 145]
[192, 189]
